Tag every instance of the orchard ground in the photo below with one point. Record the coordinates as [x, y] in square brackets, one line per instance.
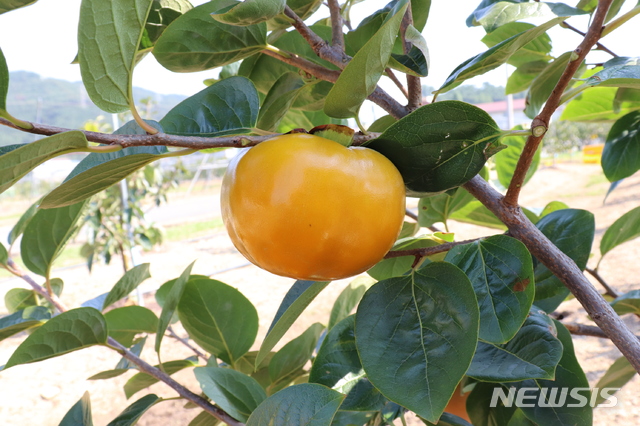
[41, 393]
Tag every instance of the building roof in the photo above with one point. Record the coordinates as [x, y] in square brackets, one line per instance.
[501, 106]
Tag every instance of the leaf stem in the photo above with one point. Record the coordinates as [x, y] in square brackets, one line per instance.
[619, 21]
[19, 123]
[360, 126]
[136, 116]
[280, 52]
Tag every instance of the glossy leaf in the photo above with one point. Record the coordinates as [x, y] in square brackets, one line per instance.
[170, 304]
[397, 266]
[26, 217]
[597, 104]
[533, 353]
[507, 159]
[227, 107]
[143, 380]
[4, 79]
[20, 161]
[569, 375]
[109, 34]
[501, 272]
[360, 77]
[439, 146]
[618, 375]
[572, 231]
[302, 8]
[295, 354]
[294, 303]
[476, 213]
[537, 49]
[413, 323]
[503, 12]
[348, 299]
[125, 285]
[523, 76]
[22, 320]
[438, 208]
[481, 410]
[621, 153]
[544, 83]
[133, 412]
[552, 207]
[218, 318]
[18, 299]
[80, 413]
[72, 330]
[624, 75]
[196, 42]
[47, 234]
[250, 12]
[124, 323]
[162, 13]
[234, 392]
[278, 101]
[338, 366]
[494, 57]
[628, 303]
[304, 404]
[204, 419]
[625, 228]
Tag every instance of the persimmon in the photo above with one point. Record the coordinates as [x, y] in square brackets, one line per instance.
[309, 208]
[458, 404]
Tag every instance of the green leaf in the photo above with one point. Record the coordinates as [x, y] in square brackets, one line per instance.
[536, 50]
[625, 228]
[348, 299]
[338, 366]
[80, 413]
[278, 101]
[294, 303]
[218, 318]
[501, 272]
[295, 354]
[476, 213]
[507, 159]
[125, 285]
[171, 303]
[234, 392]
[569, 375]
[162, 13]
[415, 323]
[196, 42]
[438, 208]
[26, 217]
[544, 84]
[124, 323]
[552, 207]
[628, 303]
[533, 353]
[382, 124]
[4, 256]
[621, 153]
[361, 75]
[250, 12]
[523, 76]
[483, 413]
[397, 266]
[439, 146]
[305, 404]
[47, 234]
[618, 374]
[302, 8]
[133, 412]
[572, 231]
[143, 380]
[123, 365]
[4, 77]
[625, 75]
[504, 12]
[108, 38]
[18, 299]
[204, 419]
[17, 163]
[596, 104]
[8, 5]
[72, 330]
[494, 57]
[227, 107]
[33, 316]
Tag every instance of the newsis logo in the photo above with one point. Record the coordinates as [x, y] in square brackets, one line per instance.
[554, 397]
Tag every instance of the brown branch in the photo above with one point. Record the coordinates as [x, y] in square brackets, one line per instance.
[337, 36]
[611, 292]
[561, 265]
[397, 82]
[185, 342]
[585, 330]
[413, 83]
[540, 124]
[427, 251]
[163, 139]
[599, 45]
[143, 366]
[411, 214]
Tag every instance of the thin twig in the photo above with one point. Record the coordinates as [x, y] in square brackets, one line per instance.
[337, 36]
[413, 83]
[599, 45]
[540, 124]
[185, 342]
[143, 366]
[611, 292]
[585, 330]
[428, 251]
[561, 265]
[389, 72]
[411, 214]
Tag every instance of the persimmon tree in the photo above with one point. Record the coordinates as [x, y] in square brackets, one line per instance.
[442, 314]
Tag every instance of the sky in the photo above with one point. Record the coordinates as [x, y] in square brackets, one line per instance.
[42, 38]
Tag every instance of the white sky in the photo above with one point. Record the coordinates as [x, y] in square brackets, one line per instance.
[42, 38]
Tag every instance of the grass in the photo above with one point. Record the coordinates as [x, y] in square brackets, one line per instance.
[190, 230]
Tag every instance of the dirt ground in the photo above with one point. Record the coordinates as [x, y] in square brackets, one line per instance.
[40, 394]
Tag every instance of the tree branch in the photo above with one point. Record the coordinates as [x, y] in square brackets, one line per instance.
[540, 124]
[427, 251]
[185, 342]
[143, 366]
[611, 292]
[411, 214]
[561, 265]
[413, 83]
[585, 330]
[397, 82]
[599, 45]
[337, 36]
